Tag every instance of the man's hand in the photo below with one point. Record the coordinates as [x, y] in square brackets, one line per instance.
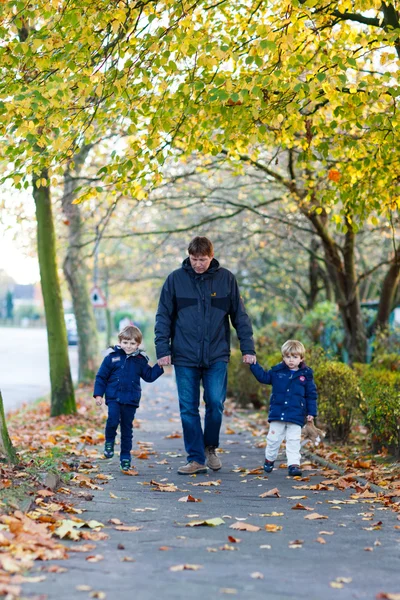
[164, 361]
[310, 418]
[99, 400]
[249, 359]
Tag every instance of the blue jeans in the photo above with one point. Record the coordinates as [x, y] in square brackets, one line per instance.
[123, 415]
[214, 379]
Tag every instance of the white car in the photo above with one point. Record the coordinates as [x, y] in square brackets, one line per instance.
[72, 330]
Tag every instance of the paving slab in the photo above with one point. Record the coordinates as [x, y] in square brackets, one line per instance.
[262, 565]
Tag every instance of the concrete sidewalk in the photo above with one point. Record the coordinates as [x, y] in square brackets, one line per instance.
[319, 559]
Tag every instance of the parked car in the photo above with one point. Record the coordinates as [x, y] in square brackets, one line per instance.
[72, 330]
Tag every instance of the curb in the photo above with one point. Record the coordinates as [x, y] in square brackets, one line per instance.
[326, 463]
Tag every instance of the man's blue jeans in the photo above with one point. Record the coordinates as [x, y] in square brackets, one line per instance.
[120, 414]
[214, 380]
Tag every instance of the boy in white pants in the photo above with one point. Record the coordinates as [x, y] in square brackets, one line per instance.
[293, 401]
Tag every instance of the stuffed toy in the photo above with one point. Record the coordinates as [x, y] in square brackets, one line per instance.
[312, 434]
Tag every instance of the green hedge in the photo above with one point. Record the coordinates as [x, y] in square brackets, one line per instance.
[339, 398]
[381, 407]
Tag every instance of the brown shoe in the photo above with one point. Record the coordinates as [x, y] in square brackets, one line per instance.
[212, 459]
[191, 468]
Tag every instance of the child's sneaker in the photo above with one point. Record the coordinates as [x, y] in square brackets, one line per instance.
[294, 470]
[109, 449]
[125, 464]
[268, 465]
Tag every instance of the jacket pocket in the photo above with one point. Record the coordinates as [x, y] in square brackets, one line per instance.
[185, 302]
[221, 303]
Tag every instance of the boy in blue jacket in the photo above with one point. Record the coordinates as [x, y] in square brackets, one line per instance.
[293, 401]
[119, 380]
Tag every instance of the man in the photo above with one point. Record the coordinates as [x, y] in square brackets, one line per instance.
[193, 333]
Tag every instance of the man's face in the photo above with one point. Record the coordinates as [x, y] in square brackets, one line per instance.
[200, 263]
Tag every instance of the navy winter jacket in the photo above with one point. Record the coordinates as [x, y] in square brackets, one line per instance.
[294, 393]
[119, 376]
[192, 321]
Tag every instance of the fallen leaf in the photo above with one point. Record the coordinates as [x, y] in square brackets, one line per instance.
[189, 499]
[99, 595]
[127, 528]
[326, 532]
[296, 544]
[115, 521]
[208, 483]
[320, 540]
[270, 493]
[300, 506]
[315, 516]
[185, 567]
[266, 547]
[95, 558]
[208, 522]
[165, 548]
[227, 547]
[244, 526]
[173, 436]
[386, 596]
[233, 539]
[45, 493]
[272, 528]
[228, 591]
[83, 588]
[127, 559]
[257, 575]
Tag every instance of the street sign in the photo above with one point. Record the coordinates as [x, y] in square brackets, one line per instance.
[97, 298]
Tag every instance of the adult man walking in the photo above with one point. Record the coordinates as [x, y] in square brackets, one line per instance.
[193, 333]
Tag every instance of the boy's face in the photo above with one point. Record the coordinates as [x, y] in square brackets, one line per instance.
[200, 263]
[129, 346]
[292, 360]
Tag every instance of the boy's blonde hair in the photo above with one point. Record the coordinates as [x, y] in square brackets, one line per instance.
[131, 332]
[293, 347]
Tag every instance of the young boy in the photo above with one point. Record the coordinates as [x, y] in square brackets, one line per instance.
[293, 400]
[119, 379]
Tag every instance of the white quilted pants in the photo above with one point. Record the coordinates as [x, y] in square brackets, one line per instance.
[278, 431]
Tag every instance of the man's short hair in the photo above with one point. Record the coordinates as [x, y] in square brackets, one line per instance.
[293, 347]
[201, 246]
[131, 332]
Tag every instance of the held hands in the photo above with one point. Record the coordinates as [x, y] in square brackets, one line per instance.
[99, 400]
[249, 359]
[164, 361]
[310, 418]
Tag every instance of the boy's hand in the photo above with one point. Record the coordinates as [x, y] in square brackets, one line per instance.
[310, 418]
[164, 361]
[249, 359]
[99, 400]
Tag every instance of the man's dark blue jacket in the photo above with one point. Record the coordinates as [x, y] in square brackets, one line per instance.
[192, 321]
[294, 393]
[119, 376]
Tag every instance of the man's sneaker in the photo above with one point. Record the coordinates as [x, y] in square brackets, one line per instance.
[294, 470]
[212, 460]
[125, 464]
[109, 449]
[191, 468]
[268, 465]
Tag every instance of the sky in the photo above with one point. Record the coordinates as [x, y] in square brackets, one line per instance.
[13, 259]
[16, 234]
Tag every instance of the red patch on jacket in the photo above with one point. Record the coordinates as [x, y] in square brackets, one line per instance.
[302, 378]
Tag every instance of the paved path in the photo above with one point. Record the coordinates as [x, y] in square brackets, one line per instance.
[24, 365]
[306, 570]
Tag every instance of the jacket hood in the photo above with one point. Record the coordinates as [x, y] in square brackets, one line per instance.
[213, 268]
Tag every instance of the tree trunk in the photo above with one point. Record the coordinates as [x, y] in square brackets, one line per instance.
[76, 274]
[388, 293]
[6, 447]
[343, 276]
[313, 274]
[62, 391]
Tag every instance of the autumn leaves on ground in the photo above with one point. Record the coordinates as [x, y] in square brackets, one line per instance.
[61, 470]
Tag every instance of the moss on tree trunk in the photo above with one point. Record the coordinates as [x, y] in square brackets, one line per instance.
[6, 447]
[62, 391]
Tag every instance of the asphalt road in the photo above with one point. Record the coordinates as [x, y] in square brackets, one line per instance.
[24, 365]
[350, 551]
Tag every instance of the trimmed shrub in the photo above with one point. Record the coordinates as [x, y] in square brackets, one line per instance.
[339, 398]
[390, 362]
[381, 407]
